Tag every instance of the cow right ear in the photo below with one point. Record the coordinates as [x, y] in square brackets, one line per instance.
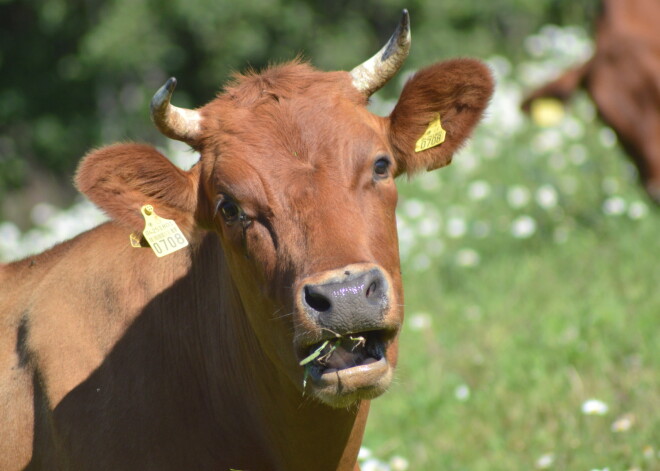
[438, 109]
[122, 178]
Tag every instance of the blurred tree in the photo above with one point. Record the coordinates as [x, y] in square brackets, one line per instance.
[79, 73]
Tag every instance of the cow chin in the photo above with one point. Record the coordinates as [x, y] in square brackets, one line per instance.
[342, 388]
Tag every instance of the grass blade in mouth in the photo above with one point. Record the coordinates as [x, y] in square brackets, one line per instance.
[315, 354]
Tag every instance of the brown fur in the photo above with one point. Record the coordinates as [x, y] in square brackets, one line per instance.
[113, 359]
[623, 79]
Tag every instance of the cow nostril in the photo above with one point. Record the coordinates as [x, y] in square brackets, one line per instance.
[371, 289]
[317, 301]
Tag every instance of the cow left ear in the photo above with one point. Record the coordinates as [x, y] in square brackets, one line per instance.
[438, 109]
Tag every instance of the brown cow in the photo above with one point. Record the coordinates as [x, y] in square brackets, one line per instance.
[112, 358]
[623, 79]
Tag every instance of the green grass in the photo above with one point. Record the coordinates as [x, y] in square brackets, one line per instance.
[532, 278]
[533, 333]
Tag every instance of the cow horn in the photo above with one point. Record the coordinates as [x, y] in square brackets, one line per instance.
[176, 123]
[371, 75]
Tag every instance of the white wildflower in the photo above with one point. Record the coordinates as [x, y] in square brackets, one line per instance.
[573, 128]
[419, 321]
[456, 227]
[546, 196]
[637, 210]
[536, 45]
[523, 227]
[549, 139]
[364, 453]
[399, 463]
[413, 208]
[594, 407]
[428, 226]
[614, 206]
[478, 190]
[648, 452]
[9, 232]
[467, 258]
[607, 138]
[429, 181]
[545, 461]
[373, 464]
[518, 196]
[623, 423]
[467, 161]
[500, 65]
[462, 392]
[42, 212]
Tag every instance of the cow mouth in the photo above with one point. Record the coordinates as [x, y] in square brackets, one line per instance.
[344, 369]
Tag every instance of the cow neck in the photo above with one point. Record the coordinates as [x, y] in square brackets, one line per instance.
[297, 431]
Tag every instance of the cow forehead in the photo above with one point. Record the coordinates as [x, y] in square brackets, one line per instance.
[313, 131]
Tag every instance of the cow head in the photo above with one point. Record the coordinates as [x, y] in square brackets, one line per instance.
[296, 177]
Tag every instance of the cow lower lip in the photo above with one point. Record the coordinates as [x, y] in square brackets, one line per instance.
[341, 388]
[369, 372]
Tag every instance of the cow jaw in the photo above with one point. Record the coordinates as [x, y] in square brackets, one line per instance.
[349, 368]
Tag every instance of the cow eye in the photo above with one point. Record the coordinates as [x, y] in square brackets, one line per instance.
[229, 210]
[382, 167]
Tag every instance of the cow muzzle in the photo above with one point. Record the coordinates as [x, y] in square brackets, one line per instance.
[345, 339]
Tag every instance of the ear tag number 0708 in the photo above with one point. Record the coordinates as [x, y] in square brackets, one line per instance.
[433, 136]
[163, 235]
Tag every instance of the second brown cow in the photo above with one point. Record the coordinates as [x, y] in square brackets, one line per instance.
[623, 79]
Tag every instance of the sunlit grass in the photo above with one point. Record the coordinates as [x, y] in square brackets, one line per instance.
[498, 374]
[532, 300]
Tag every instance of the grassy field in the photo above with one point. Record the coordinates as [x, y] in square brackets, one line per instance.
[532, 295]
[533, 305]
[497, 360]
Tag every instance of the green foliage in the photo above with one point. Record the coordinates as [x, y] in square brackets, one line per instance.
[77, 74]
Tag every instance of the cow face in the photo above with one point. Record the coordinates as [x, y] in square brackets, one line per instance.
[297, 179]
[302, 177]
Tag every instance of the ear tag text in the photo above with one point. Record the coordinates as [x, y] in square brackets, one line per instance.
[163, 235]
[433, 136]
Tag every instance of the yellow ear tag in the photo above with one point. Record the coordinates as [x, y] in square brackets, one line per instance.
[163, 235]
[433, 136]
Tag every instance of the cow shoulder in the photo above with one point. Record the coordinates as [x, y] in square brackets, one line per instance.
[122, 178]
[457, 91]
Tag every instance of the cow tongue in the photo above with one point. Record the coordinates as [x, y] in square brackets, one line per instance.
[342, 358]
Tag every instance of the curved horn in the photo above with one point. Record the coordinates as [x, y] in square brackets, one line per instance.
[371, 75]
[176, 123]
